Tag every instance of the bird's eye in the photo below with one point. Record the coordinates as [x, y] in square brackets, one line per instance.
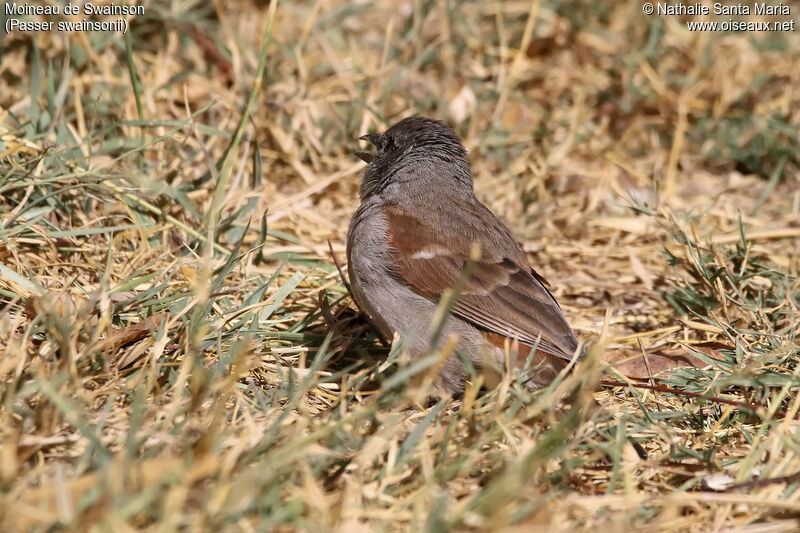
[388, 144]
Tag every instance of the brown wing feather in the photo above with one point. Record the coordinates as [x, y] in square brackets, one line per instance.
[503, 296]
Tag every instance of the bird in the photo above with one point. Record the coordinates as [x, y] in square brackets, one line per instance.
[414, 234]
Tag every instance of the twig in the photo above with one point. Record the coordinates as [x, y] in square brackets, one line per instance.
[211, 51]
[669, 390]
[765, 482]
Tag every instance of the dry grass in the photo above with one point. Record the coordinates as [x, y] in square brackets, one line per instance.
[179, 352]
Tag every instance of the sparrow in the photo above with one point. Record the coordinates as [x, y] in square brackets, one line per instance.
[410, 240]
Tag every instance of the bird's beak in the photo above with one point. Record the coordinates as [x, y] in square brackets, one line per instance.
[372, 138]
[366, 157]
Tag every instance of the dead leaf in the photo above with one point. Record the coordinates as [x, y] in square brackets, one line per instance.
[631, 363]
[639, 269]
[121, 337]
[463, 105]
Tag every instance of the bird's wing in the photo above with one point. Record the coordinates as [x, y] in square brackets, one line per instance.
[502, 296]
